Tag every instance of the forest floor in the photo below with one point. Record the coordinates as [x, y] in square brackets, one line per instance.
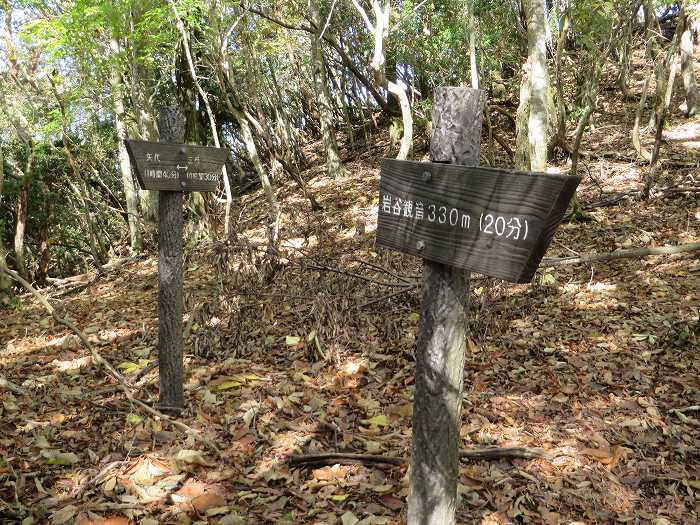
[594, 364]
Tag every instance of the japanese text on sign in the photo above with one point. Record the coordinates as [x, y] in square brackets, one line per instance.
[513, 228]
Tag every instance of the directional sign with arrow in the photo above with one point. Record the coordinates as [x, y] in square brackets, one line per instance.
[176, 167]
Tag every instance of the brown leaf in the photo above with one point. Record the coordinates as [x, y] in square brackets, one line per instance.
[392, 502]
[208, 501]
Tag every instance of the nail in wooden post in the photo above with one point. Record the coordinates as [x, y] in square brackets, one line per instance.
[172, 130]
[440, 346]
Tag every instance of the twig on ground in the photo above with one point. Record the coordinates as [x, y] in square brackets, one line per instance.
[693, 408]
[385, 270]
[390, 296]
[621, 254]
[9, 385]
[657, 192]
[324, 268]
[312, 460]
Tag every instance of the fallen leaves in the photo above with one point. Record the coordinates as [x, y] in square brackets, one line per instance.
[589, 363]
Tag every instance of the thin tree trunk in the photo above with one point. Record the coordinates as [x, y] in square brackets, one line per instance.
[471, 28]
[333, 163]
[666, 72]
[692, 96]
[661, 112]
[625, 57]
[560, 134]
[22, 211]
[5, 283]
[522, 146]
[538, 121]
[590, 96]
[132, 198]
[636, 133]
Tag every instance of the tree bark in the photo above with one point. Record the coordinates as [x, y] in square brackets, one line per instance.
[560, 134]
[5, 283]
[457, 117]
[522, 146]
[132, 198]
[333, 163]
[692, 96]
[538, 120]
[22, 211]
[170, 368]
[669, 69]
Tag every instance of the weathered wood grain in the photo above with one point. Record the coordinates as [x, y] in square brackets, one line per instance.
[176, 167]
[524, 208]
[170, 232]
[443, 329]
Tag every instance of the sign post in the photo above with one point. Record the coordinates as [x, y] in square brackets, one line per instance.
[172, 168]
[458, 217]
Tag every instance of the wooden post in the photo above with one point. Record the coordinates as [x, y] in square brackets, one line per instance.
[440, 346]
[172, 130]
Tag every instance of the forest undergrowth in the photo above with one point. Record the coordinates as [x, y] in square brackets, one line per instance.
[596, 365]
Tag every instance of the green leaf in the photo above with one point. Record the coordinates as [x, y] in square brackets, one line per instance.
[377, 421]
[292, 340]
[133, 419]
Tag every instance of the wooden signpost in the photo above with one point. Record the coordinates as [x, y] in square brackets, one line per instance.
[173, 168]
[176, 167]
[458, 217]
[495, 222]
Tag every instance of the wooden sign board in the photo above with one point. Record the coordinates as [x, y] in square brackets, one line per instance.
[176, 167]
[492, 221]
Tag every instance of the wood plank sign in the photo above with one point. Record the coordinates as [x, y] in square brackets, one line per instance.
[176, 167]
[492, 221]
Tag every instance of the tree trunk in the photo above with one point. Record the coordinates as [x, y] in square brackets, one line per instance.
[457, 117]
[333, 163]
[132, 198]
[22, 210]
[540, 97]
[5, 283]
[560, 134]
[522, 146]
[692, 96]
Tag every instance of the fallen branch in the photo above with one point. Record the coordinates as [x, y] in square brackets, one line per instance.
[693, 408]
[390, 296]
[4, 383]
[621, 254]
[334, 458]
[656, 192]
[122, 382]
[324, 268]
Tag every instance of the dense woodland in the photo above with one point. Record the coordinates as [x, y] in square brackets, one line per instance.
[299, 333]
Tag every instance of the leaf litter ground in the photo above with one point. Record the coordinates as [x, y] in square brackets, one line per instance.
[593, 364]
